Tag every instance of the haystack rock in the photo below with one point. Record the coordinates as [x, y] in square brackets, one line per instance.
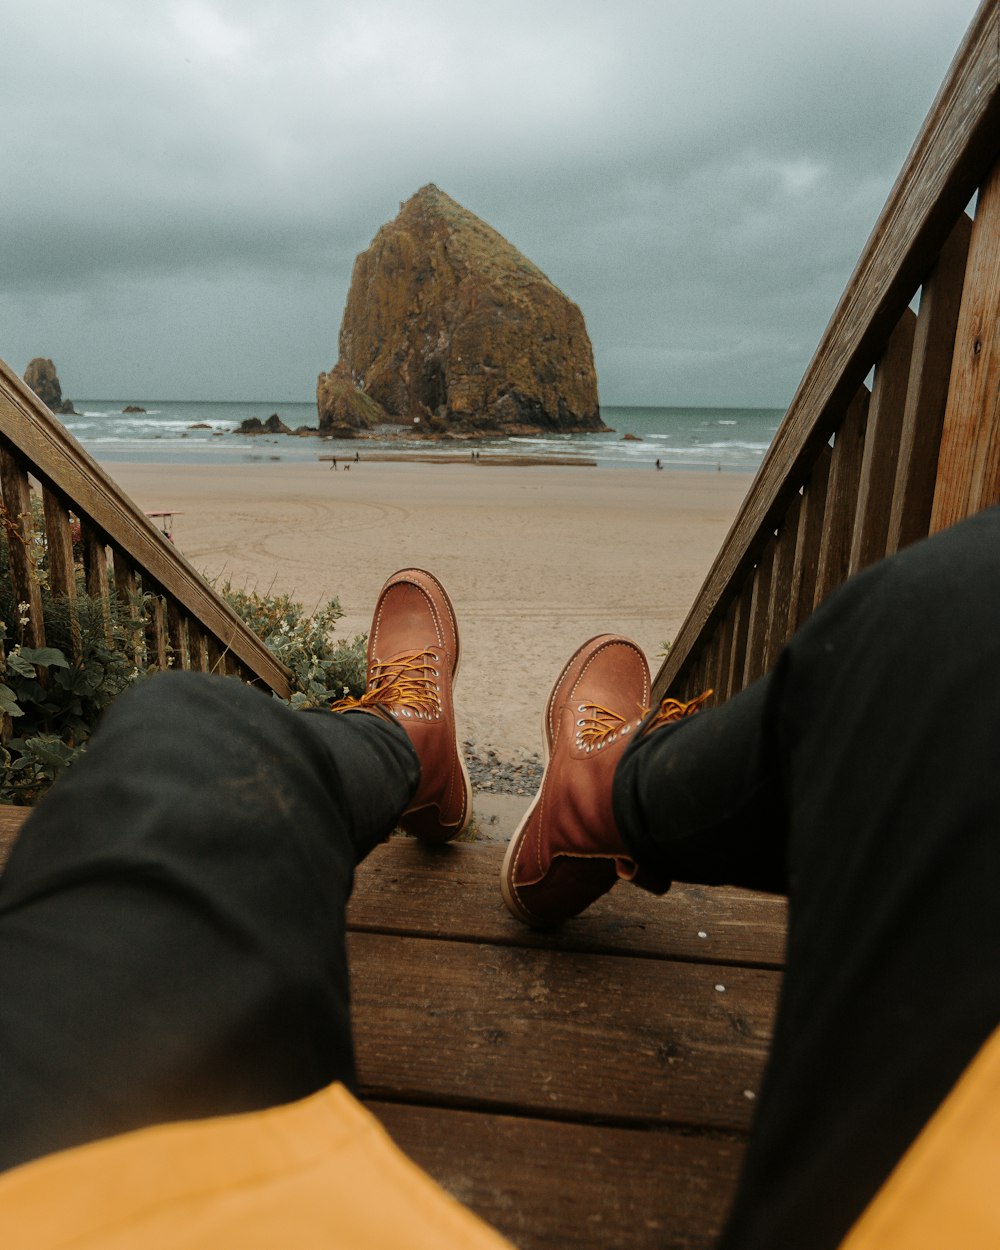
[41, 376]
[449, 327]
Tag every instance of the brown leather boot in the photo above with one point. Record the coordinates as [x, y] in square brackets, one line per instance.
[567, 850]
[413, 660]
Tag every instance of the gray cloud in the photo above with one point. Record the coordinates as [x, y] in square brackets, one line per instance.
[187, 184]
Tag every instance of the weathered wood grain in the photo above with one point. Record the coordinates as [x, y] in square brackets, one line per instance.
[969, 464]
[19, 526]
[531, 1031]
[453, 892]
[881, 452]
[552, 1186]
[842, 497]
[809, 541]
[933, 348]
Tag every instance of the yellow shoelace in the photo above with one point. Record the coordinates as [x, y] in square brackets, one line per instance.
[407, 682]
[675, 709]
[598, 726]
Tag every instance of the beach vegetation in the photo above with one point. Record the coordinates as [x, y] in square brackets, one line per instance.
[323, 667]
[51, 697]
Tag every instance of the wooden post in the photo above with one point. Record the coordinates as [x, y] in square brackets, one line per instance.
[968, 476]
[177, 635]
[809, 541]
[20, 528]
[62, 573]
[878, 465]
[933, 348]
[842, 497]
[781, 583]
[760, 599]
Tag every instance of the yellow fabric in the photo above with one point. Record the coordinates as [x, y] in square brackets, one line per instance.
[943, 1192]
[320, 1174]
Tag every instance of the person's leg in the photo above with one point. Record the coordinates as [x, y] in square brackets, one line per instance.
[861, 775]
[172, 916]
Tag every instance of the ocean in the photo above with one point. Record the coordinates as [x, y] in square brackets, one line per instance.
[702, 439]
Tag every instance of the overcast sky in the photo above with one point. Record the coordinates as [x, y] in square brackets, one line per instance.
[186, 183]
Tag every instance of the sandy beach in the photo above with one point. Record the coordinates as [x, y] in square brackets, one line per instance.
[536, 559]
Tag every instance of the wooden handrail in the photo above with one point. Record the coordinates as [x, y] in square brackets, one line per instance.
[951, 159]
[33, 441]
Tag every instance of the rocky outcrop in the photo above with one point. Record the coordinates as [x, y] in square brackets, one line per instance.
[449, 326]
[254, 425]
[345, 409]
[41, 376]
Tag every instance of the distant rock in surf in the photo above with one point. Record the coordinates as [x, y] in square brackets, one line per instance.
[254, 425]
[41, 376]
[450, 329]
[133, 408]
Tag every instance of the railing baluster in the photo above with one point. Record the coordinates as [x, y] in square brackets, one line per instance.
[759, 602]
[177, 636]
[878, 466]
[842, 496]
[781, 583]
[968, 476]
[156, 632]
[923, 420]
[809, 541]
[59, 548]
[741, 628]
[20, 528]
[198, 647]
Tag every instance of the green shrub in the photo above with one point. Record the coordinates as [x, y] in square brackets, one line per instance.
[51, 697]
[322, 669]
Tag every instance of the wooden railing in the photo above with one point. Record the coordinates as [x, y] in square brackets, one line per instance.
[857, 471]
[124, 556]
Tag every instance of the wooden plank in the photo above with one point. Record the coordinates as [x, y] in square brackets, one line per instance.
[95, 569]
[809, 541]
[720, 677]
[20, 527]
[781, 584]
[969, 467]
[760, 601]
[524, 1031]
[933, 348]
[551, 1186]
[59, 544]
[177, 636]
[453, 892]
[156, 632]
[842, 497]
[58, 460]
[741, 627]
[198, 645]
[881, 454]
[958, 143]
[11, 820]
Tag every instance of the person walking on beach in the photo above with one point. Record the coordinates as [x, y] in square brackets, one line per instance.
[172, 917]
[334, 465]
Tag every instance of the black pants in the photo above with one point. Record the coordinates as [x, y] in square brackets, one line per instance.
[172, 918]
[862, 777]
